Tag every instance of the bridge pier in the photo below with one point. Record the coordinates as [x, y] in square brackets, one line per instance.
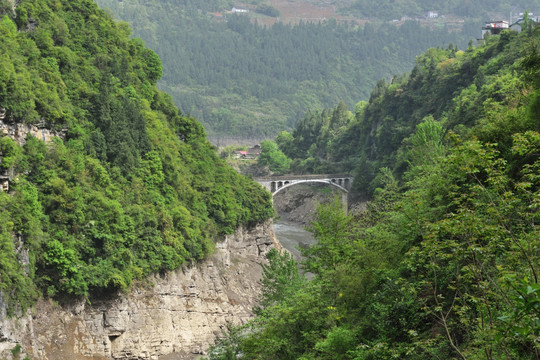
[345, 201]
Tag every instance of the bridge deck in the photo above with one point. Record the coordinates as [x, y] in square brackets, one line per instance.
[302, 177]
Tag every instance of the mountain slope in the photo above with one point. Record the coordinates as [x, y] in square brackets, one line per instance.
[447, 84]
[245, 80]
[132, 188]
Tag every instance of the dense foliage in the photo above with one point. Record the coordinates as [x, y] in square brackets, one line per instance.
[134, 188]
[274, 158]
[445, 262]
[242, 79]
[462, 89]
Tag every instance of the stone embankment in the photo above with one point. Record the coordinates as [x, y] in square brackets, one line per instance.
[174, 316]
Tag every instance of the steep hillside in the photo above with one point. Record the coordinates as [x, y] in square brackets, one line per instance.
[445, 261]
[449, 85]
[173, 316]
[131, 187]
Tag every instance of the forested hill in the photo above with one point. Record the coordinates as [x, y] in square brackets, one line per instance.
[445, 261]
[465, 91]
[134, 187]
[243, 79]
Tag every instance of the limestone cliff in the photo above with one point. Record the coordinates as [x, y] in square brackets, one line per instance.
[19, 131]
[177, 316]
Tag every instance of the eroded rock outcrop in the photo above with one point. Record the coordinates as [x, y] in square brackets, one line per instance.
[298, 204]
[178, 315]
[19, 131]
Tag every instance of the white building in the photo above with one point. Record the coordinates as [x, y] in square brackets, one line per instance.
[495, 27]
[236, 10]
[501, 24]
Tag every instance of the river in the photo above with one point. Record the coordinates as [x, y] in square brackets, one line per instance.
[292, 235]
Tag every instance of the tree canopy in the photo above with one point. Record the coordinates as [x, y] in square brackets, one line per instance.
[132, 188]
[444, 263]
[267, 77]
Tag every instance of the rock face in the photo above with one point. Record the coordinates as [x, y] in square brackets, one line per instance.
[177, 316]
[19, 131]
[298, 204]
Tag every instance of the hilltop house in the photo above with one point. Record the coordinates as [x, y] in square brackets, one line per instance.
[494, 27]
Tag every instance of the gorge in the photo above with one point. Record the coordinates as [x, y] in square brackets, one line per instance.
[123, 235]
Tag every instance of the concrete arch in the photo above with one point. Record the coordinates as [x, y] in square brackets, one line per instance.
[274, 184]
[289, 184]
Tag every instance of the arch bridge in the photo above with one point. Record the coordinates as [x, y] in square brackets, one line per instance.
[275, 184]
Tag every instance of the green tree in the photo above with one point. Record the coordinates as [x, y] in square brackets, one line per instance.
[276, 160]
[285, 142]
[5, 7]
[334, 239]
[281, 279]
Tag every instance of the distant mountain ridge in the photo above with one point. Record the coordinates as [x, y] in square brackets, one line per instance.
[241, 79]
